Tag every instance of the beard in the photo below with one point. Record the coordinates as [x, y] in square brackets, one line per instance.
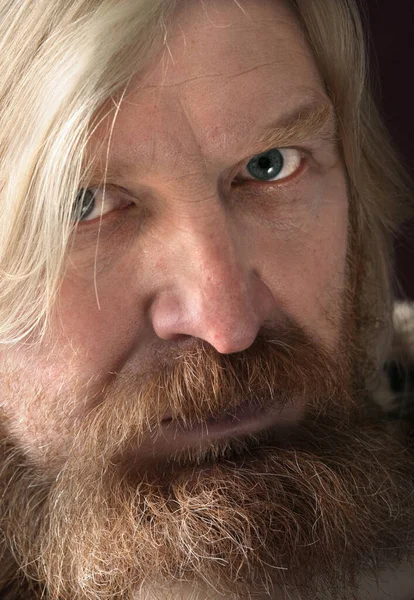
[303, 509]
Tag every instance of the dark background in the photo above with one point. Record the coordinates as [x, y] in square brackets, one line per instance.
[390, 27]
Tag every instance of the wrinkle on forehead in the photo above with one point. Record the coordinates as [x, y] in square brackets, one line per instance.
[222, 40]
[199, 78]
[216, 83]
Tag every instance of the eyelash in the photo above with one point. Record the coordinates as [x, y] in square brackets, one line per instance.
[236, 182]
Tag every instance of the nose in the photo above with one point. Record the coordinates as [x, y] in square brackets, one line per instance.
[213, 292]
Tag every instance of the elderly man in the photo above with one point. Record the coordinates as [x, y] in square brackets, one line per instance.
[197, 200]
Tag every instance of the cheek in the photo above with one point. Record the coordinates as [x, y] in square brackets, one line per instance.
[98, 327]
[307, 275]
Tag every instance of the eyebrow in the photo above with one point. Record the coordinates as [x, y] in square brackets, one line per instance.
[316, 120]
[313, 121]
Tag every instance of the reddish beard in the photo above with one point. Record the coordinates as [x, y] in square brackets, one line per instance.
[308, 510]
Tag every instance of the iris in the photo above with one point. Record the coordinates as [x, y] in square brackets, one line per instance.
[84, 204]
[267, 165]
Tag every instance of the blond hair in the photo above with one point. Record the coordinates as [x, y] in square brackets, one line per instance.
[60, 61]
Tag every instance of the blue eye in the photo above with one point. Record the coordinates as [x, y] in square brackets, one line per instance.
[95, 203]
[266, 166]
[84, 204]
[275, 165]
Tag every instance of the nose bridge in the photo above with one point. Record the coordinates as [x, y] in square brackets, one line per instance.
[212, 291]
[216, 266]
[219, 269]
[217, 252]
[202, 230]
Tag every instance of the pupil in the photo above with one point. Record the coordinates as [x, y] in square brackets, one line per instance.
[264, 163]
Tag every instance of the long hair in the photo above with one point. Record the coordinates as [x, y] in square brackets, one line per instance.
[60, 61]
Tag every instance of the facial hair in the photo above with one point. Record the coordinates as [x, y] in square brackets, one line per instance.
[305, 510]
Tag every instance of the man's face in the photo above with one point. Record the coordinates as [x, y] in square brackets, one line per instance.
[191, 246]
[223, 232]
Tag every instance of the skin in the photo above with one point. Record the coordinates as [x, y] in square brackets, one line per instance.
[183, 252]
[186, 253]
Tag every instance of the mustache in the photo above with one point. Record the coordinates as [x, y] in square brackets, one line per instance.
[197, 383]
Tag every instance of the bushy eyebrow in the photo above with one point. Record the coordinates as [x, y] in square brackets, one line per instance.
[314, 121]
[310, 122]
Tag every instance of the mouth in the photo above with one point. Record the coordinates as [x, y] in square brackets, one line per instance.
[176, 442]
[246, 419]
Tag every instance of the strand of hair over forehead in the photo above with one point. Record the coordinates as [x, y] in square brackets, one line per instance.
[59, 62]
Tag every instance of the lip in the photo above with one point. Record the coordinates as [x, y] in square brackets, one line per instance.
[171, 436]
[247, 419]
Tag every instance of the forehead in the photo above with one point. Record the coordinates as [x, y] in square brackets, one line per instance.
[225, 69]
